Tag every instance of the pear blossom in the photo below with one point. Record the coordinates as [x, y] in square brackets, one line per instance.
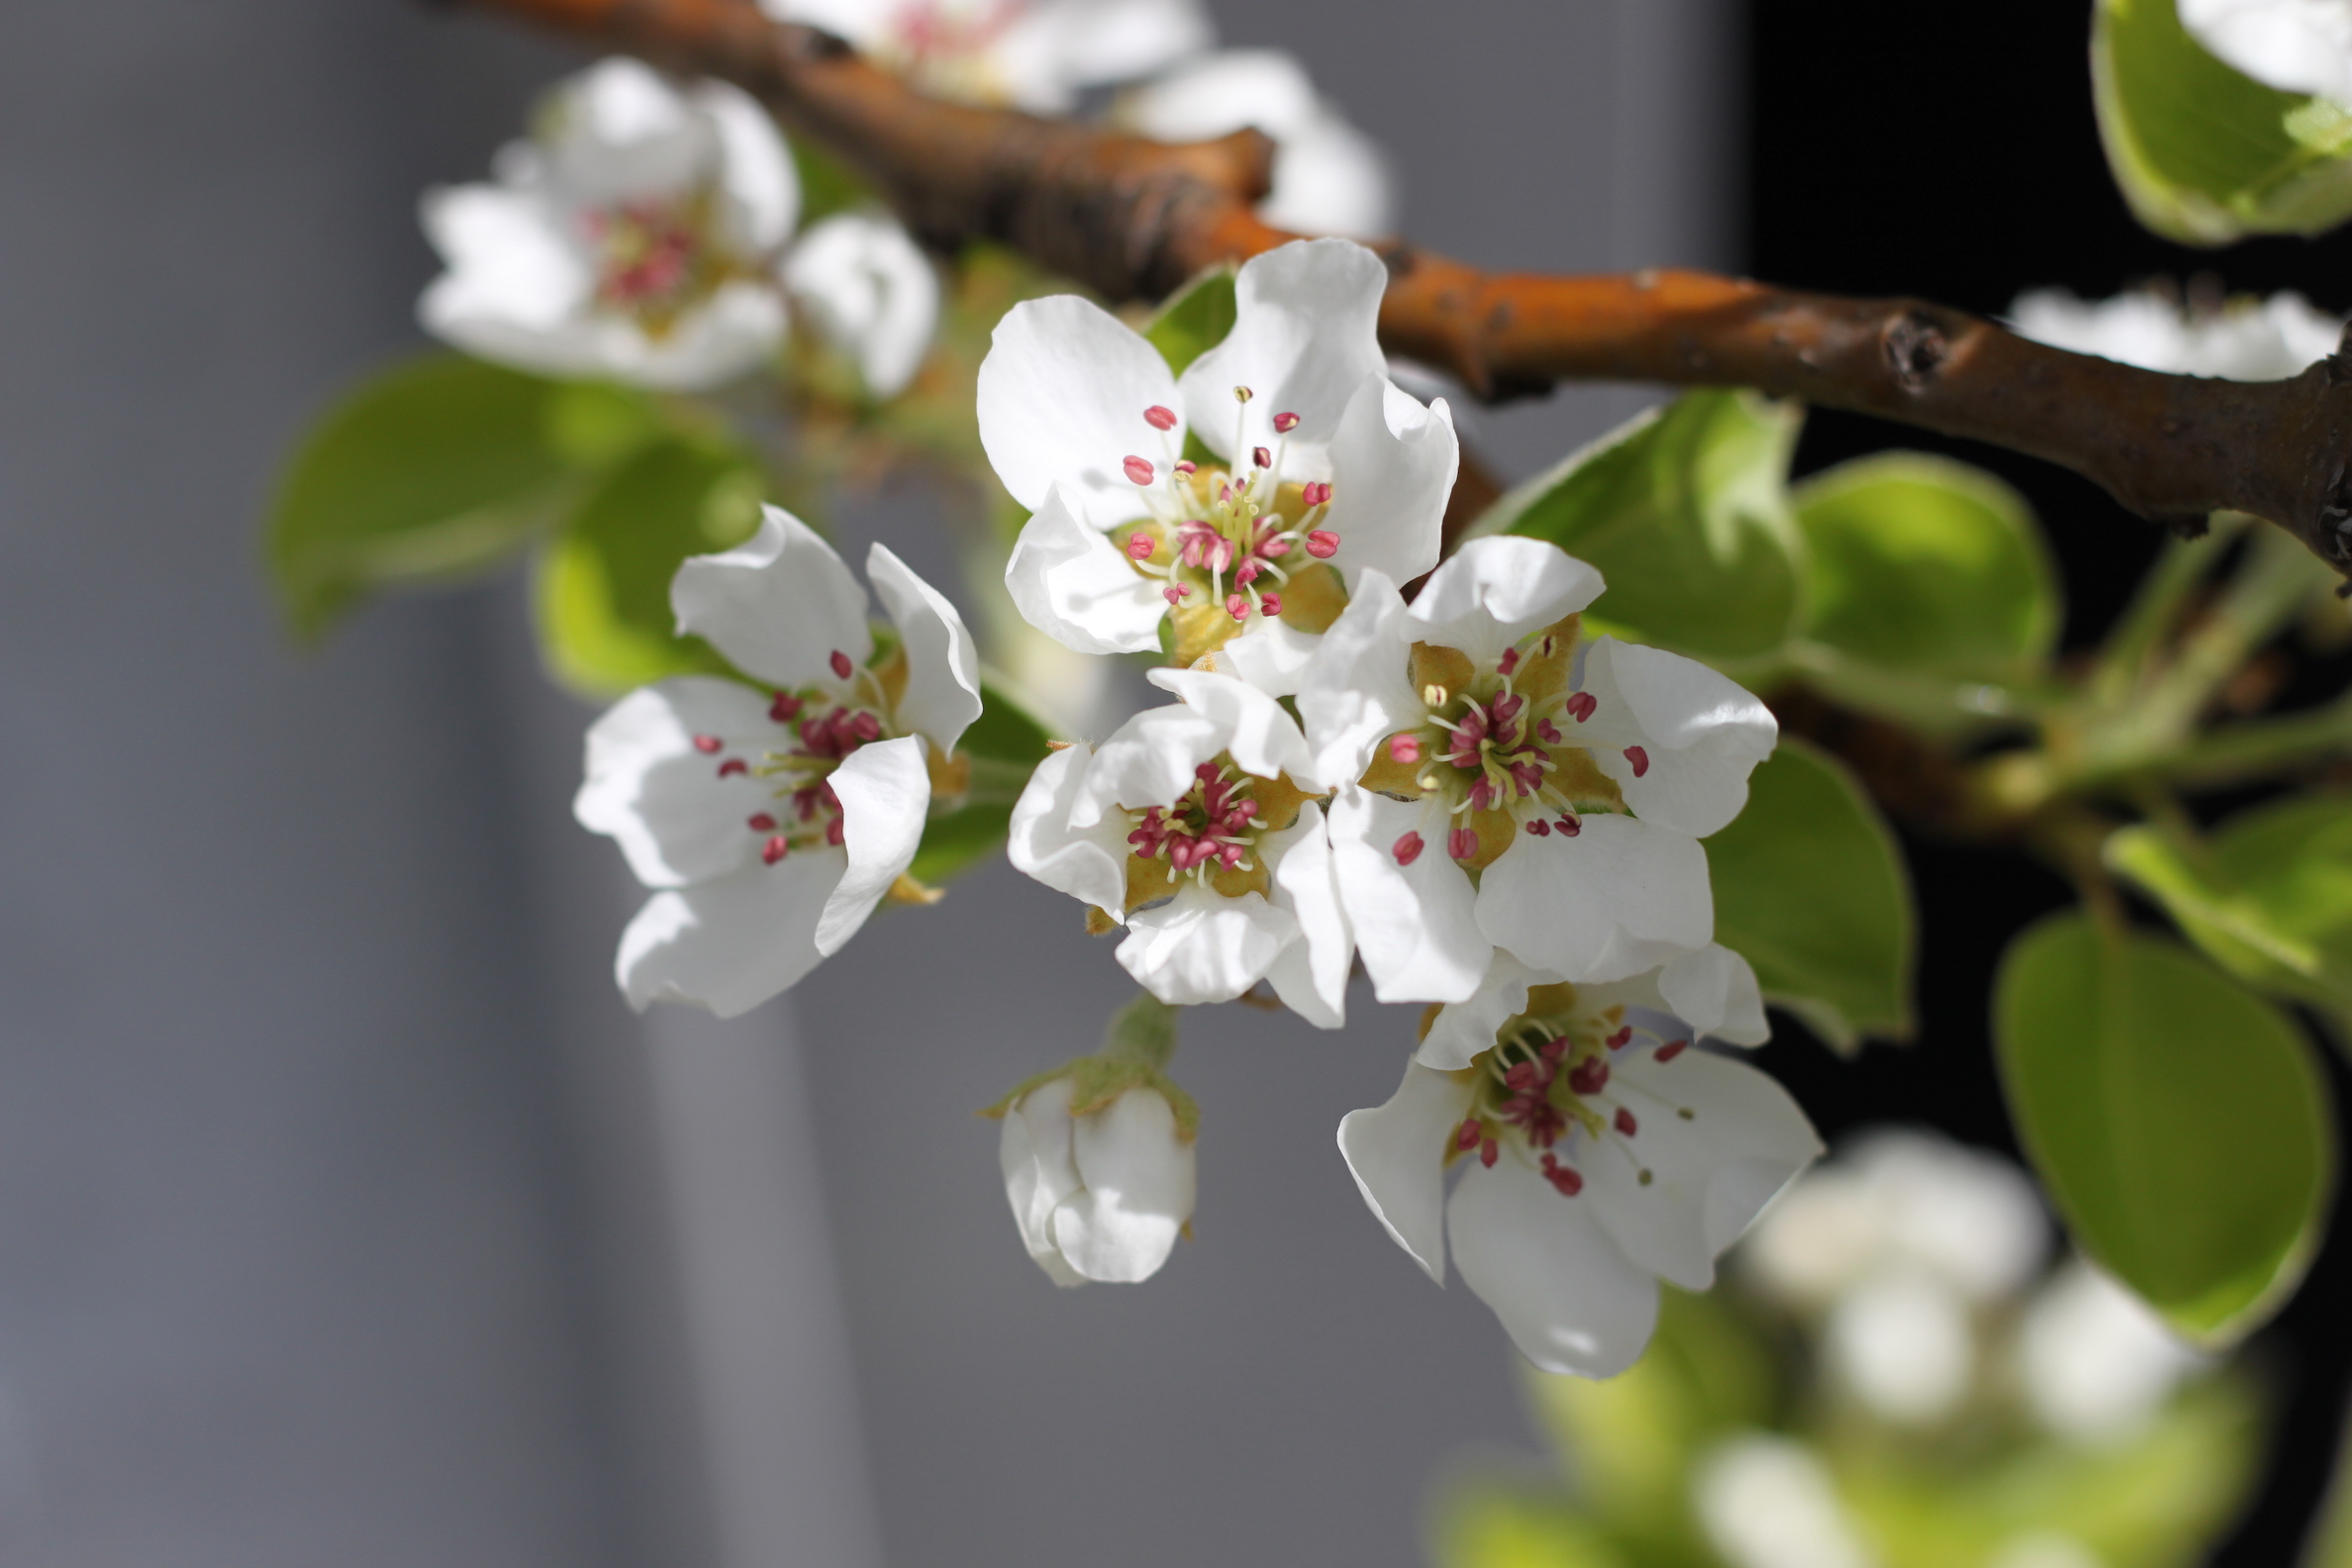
[1768, 1501]
[1323, 468]
[1328, 176]
[1514, 789]
[1101, 1196]
[771, 817]
[2240, 339]
[639, 234]
[2294, 46]
[1193, 825]
[1033, 54]
[2096, 1362]
[1599, 1152]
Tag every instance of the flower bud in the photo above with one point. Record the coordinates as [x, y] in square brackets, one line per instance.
[1102, 1195]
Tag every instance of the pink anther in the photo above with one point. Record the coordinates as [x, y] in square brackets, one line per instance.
[1270, 604]
[708, 746]
[1187, 467]
[1316, 494]
[1462, 843]
[1283, 423]
[1488, 1153]
[1672, 1048]
[1262, 457]
[1175, 593]
[1404, 748]
[1141, 546]
[733, 766]
[840, 664]
[1507, 662]
[761, 822]
[1580, 707]
[1540, 828]
[1160, 418]
[1468, 1138]
[1566, 1180]
[1323, 544]
[775, 849]
[1640, 759]
[1590, 1076]
[1626, 1123]
[785, 708]
[1138, 469]
[1237, 606]
[1407, 849]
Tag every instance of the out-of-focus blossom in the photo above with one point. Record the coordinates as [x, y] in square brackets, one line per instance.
[2097, 1363]
[1766, 1501]
[1902, 1343]
[2241, 339]
[1033, 54]
[2294, 46]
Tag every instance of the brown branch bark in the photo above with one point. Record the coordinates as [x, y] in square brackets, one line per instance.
[1135, 219]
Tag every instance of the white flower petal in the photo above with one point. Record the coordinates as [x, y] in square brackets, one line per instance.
[1395, 460]
[1310, 975]
[779, 606]
[1397, 1154]
[1271, 655]
[1355, 692]
[885, 794]
[1710, 1173]
[620, 131]
[1304, 338]
[1620, 897]
[1202, 946]
[1260, 734]
[862, 23]
[872, 292]
[729, 943]
[1146, 761]
[757, 179]
[2294, 45]
[1087, 863]
[1415, 925]
[1137, 1192]
[1461, 1030]
[1055, 48]
[1330, 178]
[1569, 1299]
[1715, 993]
[663, 799]
[1495, 590]
[1702, 734]
[1070, 582]
[1062, 395]
[1041, 1173]
[942, 695]
[515, 287]
[725, 337]
[1218, 94]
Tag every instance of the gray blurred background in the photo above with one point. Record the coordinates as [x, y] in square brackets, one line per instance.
[346, 1216]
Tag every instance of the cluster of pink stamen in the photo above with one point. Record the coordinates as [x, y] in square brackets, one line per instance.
[825, 731]
[650, 251]
[1210, 829]
[1241, 541]
[1537, 1087]
[931, 30]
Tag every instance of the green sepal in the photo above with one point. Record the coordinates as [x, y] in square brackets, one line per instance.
[1136, 1051]
[1194, 319]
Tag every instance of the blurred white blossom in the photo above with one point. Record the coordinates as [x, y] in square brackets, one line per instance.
[2242, 340]
[1902, 1343]
[2095, 1361]
[2294, 46]
[1767, 1503]
[1033, 54]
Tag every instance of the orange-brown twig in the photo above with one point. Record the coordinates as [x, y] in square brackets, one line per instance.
[1134, 219]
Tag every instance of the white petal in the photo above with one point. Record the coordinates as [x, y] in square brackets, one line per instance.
[1087, 863]
[1070, 582]
[760, 187]
[1354, 693]
[1137, 1190]
[1310, 975]
[514, 288]
[1304, 338]
[1202, 946]
[1568, 1298]
[862, 23]
[1397, 1154]
[1395, 460]
[1497, 589]
[1620, 897]
[872, 292]
[620, 131]
[1330, 178]
[1711, 1174]
[1216, 94]
[1041, 1172]
[1271, 655]
[2098, 1364]
[1261, 735]
[1715, 993]
[731, 944]
[885, 794]
[653, 792]
[779, 606]
[942, 695]
[1095, 41]
[1414, 924]
[2294, 46]
[1702, 732]
[727, 336]
[1062, 395]
[1461, 1030]
[1146, 761]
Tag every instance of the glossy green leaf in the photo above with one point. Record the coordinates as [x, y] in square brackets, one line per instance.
[1810, 889]
[1005, 745]
[438, 468]
[602, 593]
[1194, 319]
[2176, 1119]
[1685, 510]
[2203, 154]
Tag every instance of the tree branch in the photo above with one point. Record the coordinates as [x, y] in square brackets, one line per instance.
[1134, 219]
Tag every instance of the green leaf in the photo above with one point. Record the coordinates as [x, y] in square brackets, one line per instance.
[1810, 890]
[2204, 154]
[1005, 746]
[1480, 1525]
[2177, 1120]
[438, 468]
[1194, 319]
[1685, 510]
[2330, 1542]
[827, 186]
[602, 594]
[1918, 566]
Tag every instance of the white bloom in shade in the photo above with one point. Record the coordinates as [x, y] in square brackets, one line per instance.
[1033, 54]
[1194, 826]
[1323, 469]
[1519, 791]
[638, 236]
[2096, 1362]
[1599, 1154]
[870, 290]
[1328, 176]
[2242, 340]
[2294, 46]
[1102, 1196]
[1902, 1343]
[1767, 1503]
[773, 818]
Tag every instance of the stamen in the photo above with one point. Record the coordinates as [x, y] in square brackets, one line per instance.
[1317, 493]
[785, 708]
[1569, 827]
[1468, 1138]
[1566, 1180]
[1138, 469]
[761, 822]
[1160, 418]
[1270, 604]
[1237, 607]
[1626, 1123]
[1507, 662]
[1262, 458]
[1407, 849]
[775, 849]
[1581, 706]
[1488, 1153]
[1434, 695]
[1283, 423]
[731, 766]
[841, 665]
[1141, 546]
[1187, 467]
[1462, 843]
[708, 746]
[1671, 1050]
[1404, 748]
[1175, 595]
[1540, 828]
[1243, 393]
[1640, 759]
[1323, 544]
[1620, 1038]
[1590, 1076]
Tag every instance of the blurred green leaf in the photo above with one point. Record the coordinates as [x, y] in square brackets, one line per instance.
[1685, 510]
[1005, 745]
[2269, 897]
[438, 468]
[2203, 154]
[826, 184]
[602, 594]
[2330, 1542]
[1484, 1525]
[2177, 1120]
[1194, 319]
[1809, 888]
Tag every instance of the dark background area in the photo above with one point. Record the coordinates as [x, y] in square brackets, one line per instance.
[1953, 154]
